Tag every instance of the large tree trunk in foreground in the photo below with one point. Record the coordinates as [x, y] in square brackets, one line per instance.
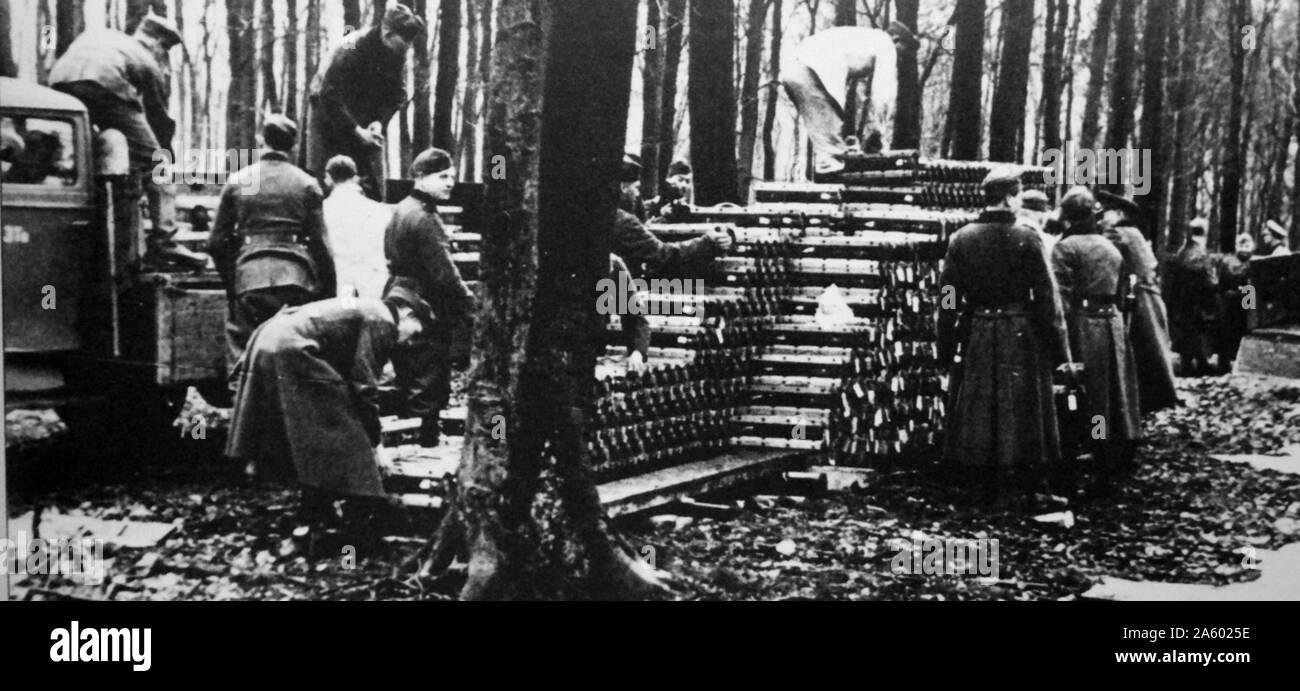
[1007, 120]
[1053, 64]
[526, 509]
[712, 102]
[773, 95]
[421, 119]
[964, 108]
[1183, 193]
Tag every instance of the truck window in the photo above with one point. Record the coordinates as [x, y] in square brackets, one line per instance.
[38, 151]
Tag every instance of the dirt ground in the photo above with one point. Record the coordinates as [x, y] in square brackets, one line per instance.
[1181, 516]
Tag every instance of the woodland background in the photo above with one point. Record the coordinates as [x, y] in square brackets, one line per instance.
[1209, 86]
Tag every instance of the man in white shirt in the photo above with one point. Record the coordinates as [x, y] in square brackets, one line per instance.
[817, 78]
[1276, 237]
[356, 226]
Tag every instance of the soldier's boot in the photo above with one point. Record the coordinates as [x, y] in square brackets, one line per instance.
[160, 249]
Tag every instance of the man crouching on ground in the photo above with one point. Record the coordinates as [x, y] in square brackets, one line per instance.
[306, 406]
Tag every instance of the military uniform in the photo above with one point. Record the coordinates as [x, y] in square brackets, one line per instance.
[362, 83]
[307, 401]
[418, 251]
[1088, 270]
[1193, 299]
[1010, 332]
[270, 246]
[1233, 271]
[648, 255]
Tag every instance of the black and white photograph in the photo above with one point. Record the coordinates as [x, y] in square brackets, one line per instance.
[653, 300]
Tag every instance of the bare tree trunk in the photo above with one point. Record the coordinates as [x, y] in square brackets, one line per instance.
[137, 9]
[311, 43]
[377, 12]
[1058, 16]
[1230, 193]
[291, 61]
[1122, 103]
[749, 94]
[1007, 120]
[652, 97]
[1091, 132]
[468, 103]
[8, 68]
[964, 107]
[907, 115]
[266, 55]
[526, 508]
[1069, 72]
[421, 121]
[351, 15]
[241, 98]
[444, 92]
[1295, 177]
[712, 102]
[69, 23]
[773, 95]
[1182, 193]
[1152, 129]
[846, 14]
[674, 19]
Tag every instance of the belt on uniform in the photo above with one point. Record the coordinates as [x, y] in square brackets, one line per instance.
[274, 237]
[1104, 305]
[1010, 309]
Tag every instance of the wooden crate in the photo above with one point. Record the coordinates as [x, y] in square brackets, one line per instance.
[174, 325]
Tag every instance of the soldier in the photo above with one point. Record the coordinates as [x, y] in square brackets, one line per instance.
[270, 246]
[1275, 239]
[353, 98]
[124, 82]
[1088, 270]
[817, 77]
[356, 226]
[645, 253]
[1233, 271]
[418, 251]
[1005, 333]
[676, 191]
[1193, 297]
[1148, 325]
[307, 401]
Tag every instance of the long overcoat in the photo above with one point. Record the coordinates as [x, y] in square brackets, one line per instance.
[307, 402]
[1009, 328]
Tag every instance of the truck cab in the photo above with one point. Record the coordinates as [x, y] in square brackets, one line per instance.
[51, 234]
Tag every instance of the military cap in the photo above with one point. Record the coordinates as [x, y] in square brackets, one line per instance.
[1275, 229]
[1110, 200]
[631, 170]
[1000, 182]
[903, 35]
[1078, 205]
[279, 132]
[430, 161]
[399, 19]
[160, 28]
[1035, 200]
[405, 297]
[679, 167]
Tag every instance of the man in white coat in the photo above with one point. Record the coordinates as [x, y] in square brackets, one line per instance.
[356, 225]
[817, 78]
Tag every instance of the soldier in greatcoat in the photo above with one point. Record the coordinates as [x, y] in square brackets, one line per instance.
[1001, 325]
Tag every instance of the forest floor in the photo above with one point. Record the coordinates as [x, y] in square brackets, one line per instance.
[1181, 516]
